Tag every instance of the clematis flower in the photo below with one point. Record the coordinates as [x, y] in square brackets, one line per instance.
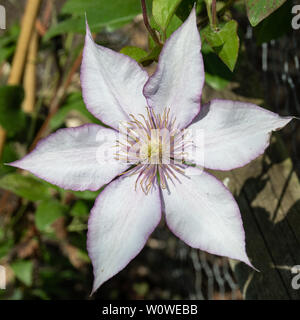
[153, 180]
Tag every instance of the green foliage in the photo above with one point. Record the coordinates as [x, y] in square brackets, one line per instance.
[224, 41]
[135, 53]
[12, 118]
[217, 75]
[9, 154]
[25, 186]
[163, 10]
[152, 56]
[8, 42]
[281, 18]
[23, 271]
[80, 209]
[174, 24]
[100, 14]
[5, 246]
[186, 6]
[48, 211]
[86, 195]
[260, 9]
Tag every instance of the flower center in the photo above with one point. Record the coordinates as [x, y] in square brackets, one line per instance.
[155, 147]
[150, 151]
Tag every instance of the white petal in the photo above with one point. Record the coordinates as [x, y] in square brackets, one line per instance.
[204, 214]
[120, 223]
[178, 80]
[235, 132]
[79, 158]
[112, 83]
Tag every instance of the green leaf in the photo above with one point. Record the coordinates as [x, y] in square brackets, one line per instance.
[74, 103]
[25, 186]
[216, 82]
[281, 18]
[73, 24]
[41, 294]
[80, 209]
[9, 155]
[8, 42]
[87, 195]
[224, 42]
[163, 10]
[260, 9]
[12, 118]
[5, 247]
[174, 24]
[5, 53]
[134, 52]
[100, 14]
[152, 56]
[47, 212]
[23, 271]
[217, 75]
[185, 7]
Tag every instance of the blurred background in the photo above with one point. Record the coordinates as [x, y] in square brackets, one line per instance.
[42, 227]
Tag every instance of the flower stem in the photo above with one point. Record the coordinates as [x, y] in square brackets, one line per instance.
[147, 24]
[214, 13]
[211, 7]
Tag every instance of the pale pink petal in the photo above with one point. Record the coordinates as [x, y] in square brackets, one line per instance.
[79, 158]
[234, 132]
[120, 223]
[204, 214]
[112, 83]
[178, 81]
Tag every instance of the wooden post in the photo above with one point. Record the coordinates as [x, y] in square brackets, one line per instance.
[268, 194]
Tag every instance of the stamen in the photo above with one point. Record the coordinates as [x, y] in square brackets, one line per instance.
[155, 147]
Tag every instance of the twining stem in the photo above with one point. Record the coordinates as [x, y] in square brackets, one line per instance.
[211, 7]
[147, 24]
[219, 13]
[214, 13]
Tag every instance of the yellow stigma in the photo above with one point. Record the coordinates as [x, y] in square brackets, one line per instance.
[151, 151]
